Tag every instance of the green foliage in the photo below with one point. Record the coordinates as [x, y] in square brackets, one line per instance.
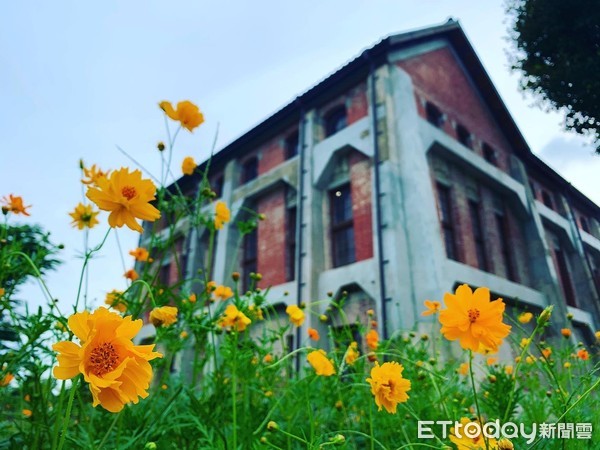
[557, 52]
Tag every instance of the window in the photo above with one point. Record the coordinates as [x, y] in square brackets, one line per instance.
[290, 244]
[217, 186]
[565, 278]
[584, 224]
[291, 145]
[164, 274]
[434, 115]
[342, 226]
[445, 215]
[250, 170]
[336, 121]
[249, 257]
[464, 137]
[502, 230]
[489, 154]
[547, 199]
[475, 212]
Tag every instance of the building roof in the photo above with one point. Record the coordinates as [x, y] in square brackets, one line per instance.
[358, 68]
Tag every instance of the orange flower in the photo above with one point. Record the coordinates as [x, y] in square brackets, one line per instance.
[463, 369]
[93, 174]
[118, 372]
[372, 338]
[127, 196]
[473, 319]
[84, 216]
[566, 332]
[7, 379]
[525, 317]
[583, 354]
[234, 318]
[296, 315]
[188, 165]
[268, 358]
[223, 292]
[547, 352]
[187, 114]
[352, 353]
[322, 365]
[131, 274]
[115, 300]
[222, 215]
[470, 443]
[163, 316]
[14, 204]
[313, 334]
[388, 386]
[432, 308]
[27, 412]
[140, 254]
[192, 298]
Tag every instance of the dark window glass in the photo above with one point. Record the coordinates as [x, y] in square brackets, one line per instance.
[584, 224]
[250, 170]
[490, 154]
[217, 186]
[565, 277]
[478, 238]
[250, 256]
[434, 115]
[290, 230]
[164, 275]
[336, 121]
[445, 214]
[547, 199]
[502, 228]
[291, 145]
[464, 137]
[342, 226]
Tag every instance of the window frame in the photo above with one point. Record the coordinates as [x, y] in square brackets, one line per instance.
[444, 197]
[340, 226]
[333, 118]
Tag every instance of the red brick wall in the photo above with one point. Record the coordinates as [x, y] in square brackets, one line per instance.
[438, 78]
[271, 238]
[360, 182]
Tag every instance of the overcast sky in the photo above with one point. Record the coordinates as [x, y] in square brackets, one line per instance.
[78, 78]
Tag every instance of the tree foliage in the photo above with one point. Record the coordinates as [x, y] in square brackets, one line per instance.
[557, 51]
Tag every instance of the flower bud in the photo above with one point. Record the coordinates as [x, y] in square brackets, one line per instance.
[272, 426]
[160, 146]
[544, 317]
[235, 276]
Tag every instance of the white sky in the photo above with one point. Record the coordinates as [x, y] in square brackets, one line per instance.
[78, 78]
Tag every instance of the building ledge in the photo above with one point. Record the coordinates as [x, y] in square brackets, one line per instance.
[286, 172]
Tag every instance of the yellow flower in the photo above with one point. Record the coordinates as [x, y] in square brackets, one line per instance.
[115, 300]
[491, 361]
[2, 292]
[183, 334]
[222, 215]
[467, 443]
[525, 342]
[7, 379]
[505, 444]
[566, 332]
[597, 334]
[163, 316]
[131, 274]
[126, 195]
[223, 292]
[84, 216]
[463, 369]
[296, 315]
[547, 352]
[27, 412]
[508, 370]
[372, 338]
[583, 354]
[473, 319]
[186, 113]
[388, 386]
[118, 372]
[93, 174]
[14, 204]
[432, 307]
[525, 317]
[313, 334]
[192, 298]
[140, 254]
[318, 360]
[370, 312]
[268, 358]
[530, 359]
[234, 318]
[188, 165]
[567, 365]
[352, 353]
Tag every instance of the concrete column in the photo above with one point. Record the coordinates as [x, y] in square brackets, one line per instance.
[224, 248]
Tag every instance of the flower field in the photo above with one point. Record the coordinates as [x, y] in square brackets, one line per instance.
[219, 372]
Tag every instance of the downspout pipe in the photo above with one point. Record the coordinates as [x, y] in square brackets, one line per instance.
[377, 183]
[299, 221]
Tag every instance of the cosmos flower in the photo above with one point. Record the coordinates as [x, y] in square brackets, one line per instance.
[84, 216]
[222, 215]
[14, 204]
[388, 386]
[187, 114]
[322, 365]
[296, 315]
[163, 316]
[234, 318]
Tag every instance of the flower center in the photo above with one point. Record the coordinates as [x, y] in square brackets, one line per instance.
[128, 192]
[86, 217]
[103, 359]
[473, 315]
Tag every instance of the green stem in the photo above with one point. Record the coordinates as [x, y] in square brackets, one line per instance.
[234, 390]
[479, 418]
[112, 425]
[67, 418]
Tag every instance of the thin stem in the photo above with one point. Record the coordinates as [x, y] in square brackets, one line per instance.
[234, 389]
[479, 418]
[67, 418]
[112, 425]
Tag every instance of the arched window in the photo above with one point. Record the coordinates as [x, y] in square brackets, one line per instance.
[434, 115]
[464, 136]
[335, 121]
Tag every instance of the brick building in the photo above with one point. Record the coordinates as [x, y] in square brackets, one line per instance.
[396, 178]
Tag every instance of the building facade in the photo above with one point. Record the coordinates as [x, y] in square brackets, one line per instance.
[395, 179]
